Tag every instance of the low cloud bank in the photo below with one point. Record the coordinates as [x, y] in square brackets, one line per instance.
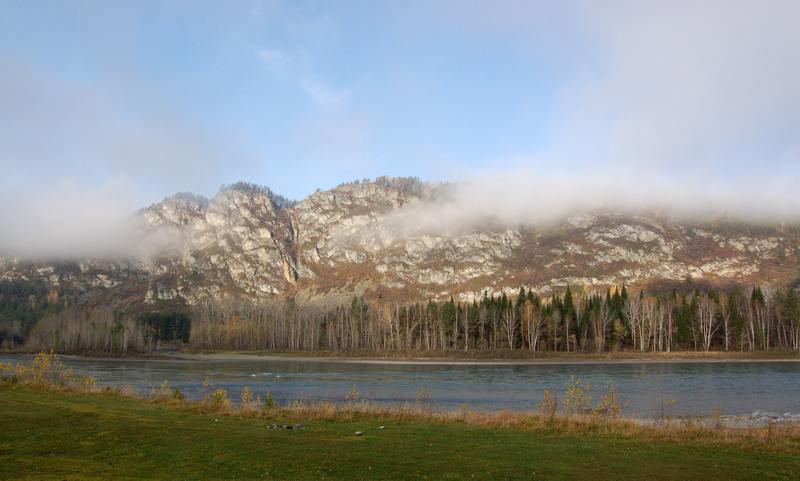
[524, 197]
[67, 221]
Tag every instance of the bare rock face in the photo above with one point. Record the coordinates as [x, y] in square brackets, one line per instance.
[247, 242]
[240, 243]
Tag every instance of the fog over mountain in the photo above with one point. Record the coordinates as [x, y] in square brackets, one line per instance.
[523, 197]
[68, 222]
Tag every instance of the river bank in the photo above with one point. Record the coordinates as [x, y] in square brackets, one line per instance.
[649, 390]
[502, 359]
[477, 358]
[574, 397]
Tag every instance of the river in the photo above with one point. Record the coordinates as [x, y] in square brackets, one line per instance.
[645, 388]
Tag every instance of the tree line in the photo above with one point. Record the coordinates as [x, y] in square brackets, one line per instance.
[744, 319]
[741, 319]
[104, 329]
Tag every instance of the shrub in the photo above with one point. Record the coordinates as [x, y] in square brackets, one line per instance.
[46, 369]
[206, 390]
[219, 399]
[423, 395]
[269, 401]
[247, 395]
[161, 392]
[88, 382]
[577, 399]
[717, 416]
[549, 405]
[353, 396]
[665, 411]
[609, 403]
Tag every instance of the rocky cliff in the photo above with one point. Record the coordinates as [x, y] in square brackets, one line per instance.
[248, 242]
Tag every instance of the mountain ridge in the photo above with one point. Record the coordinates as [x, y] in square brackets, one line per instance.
[248, 242]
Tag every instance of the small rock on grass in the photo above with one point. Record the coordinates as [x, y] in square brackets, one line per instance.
[359, 433]
[286, 426]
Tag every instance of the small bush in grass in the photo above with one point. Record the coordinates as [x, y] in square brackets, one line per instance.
[249, 402]
[128, 391]
[717, 416]
[177, 395]
[577, 399]
[665, 410]
[206, 390]
[218, 399]
[46, 369]
[247, 395]
[423, 395]
[88, 383]
[353, 396]
[269, 401]
[161, 392]
[549, 405]
[609, 403]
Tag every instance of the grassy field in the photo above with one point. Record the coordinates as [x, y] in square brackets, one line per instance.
[48, 435]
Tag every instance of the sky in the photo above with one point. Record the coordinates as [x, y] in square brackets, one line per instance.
[123, 103]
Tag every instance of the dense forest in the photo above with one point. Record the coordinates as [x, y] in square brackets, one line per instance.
[742, 319]
[22, 304]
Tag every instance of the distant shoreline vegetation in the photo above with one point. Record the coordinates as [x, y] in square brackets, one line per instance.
[740, 319]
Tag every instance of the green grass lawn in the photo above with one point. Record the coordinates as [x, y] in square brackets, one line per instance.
[62, 436]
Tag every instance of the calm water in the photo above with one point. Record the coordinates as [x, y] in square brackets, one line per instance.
[696, 388]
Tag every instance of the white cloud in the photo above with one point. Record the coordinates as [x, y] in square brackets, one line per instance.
[656, 86]
[322, 94]
[521, 196]
[276, 59]
[687, 84]
[298, 73]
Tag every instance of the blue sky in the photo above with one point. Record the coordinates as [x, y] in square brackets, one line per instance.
[148, 98]
[297, 96]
